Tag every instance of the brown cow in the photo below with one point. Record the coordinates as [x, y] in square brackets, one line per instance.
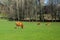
[38, 23]
[48, 23]
[19, 24]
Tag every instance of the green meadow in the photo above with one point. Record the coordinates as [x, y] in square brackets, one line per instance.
[31, 31]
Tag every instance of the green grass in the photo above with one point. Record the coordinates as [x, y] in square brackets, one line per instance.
[31, 31]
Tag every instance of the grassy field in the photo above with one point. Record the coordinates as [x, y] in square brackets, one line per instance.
[31, 31]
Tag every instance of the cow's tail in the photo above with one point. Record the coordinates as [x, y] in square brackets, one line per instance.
[22, 26]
